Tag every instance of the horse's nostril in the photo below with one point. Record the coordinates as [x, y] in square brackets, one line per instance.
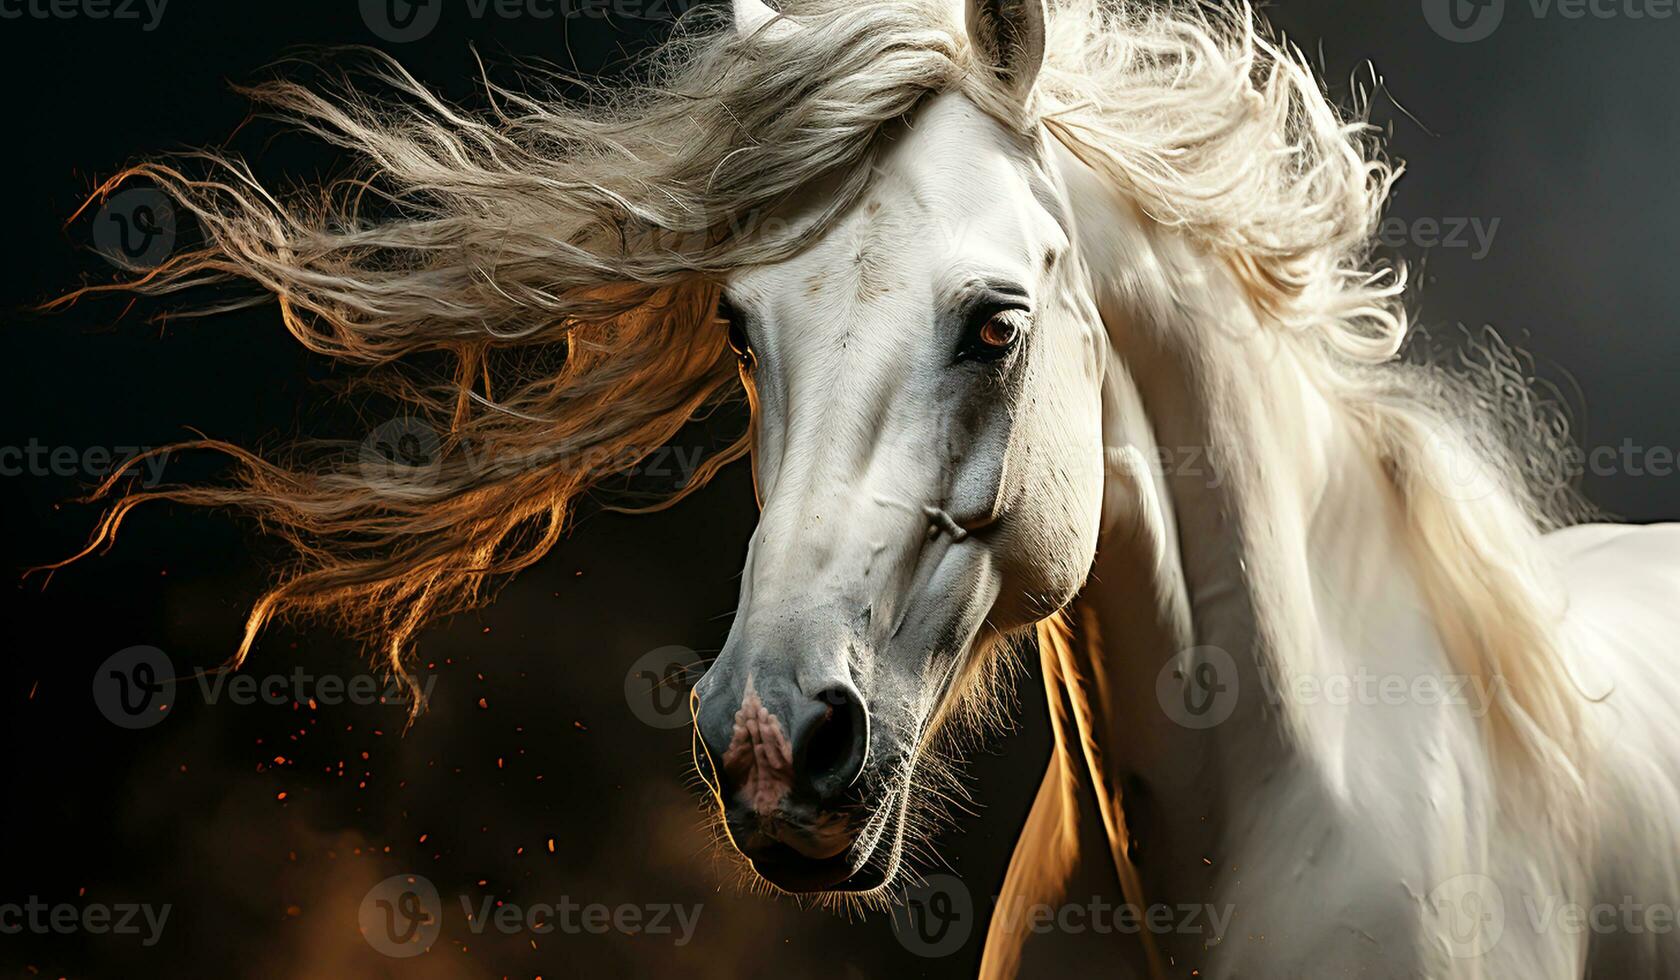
[835, 743]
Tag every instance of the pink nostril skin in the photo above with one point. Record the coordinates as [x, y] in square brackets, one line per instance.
[759, 759]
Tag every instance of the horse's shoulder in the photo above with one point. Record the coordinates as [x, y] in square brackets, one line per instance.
[1623, 619]
[1622, 583]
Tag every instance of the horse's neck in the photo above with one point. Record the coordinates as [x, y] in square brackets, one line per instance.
[1186, 564]
[1242, 515]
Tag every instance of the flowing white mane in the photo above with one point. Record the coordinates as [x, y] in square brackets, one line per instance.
[1224, 134]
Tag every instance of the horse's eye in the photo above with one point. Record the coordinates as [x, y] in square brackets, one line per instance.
[737, 332]
[999, 331]
[993, 332]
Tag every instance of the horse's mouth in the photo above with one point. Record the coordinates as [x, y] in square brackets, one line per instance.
[801, 857]
[849, 866]
[792, 871]
[851, 871]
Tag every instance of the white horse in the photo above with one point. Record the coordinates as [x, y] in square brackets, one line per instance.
[1056, 320]
[1405, 763]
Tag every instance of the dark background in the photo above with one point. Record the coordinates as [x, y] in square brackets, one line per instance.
[1565, 130]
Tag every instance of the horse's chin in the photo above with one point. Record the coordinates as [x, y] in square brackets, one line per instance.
[792, 872]
[862, 871]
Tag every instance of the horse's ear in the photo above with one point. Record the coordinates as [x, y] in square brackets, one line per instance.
[751, 15]
[1008, 37]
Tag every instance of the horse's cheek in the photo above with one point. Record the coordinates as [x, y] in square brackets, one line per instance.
[1046, 547]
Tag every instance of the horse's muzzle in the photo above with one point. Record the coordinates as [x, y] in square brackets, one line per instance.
[783, 764]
